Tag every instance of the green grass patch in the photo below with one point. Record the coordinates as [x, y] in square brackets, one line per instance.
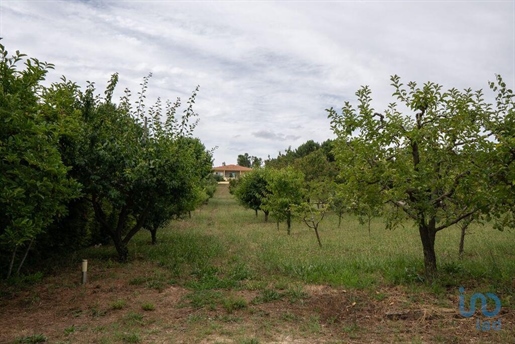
[204, 298]
[35, 338]
[118, 304]
[133, 318]
[267, 295]
[232, 304]
[148, 307]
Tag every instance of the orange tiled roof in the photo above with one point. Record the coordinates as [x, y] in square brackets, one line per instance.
[231, 168]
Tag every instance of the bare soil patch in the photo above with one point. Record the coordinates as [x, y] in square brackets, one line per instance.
[110, 309]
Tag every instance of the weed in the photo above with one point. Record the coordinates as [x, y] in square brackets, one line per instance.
[133, 319]
[69, 330]
[249, 341]
[204, 298]
[156, 284]
[232, 304]
[148, 307]
[240, 272]
[350, 328]
[100, 329]
[296, 293]
[25, 280]
[35, 338]
[313, 325]
[379, 296]
[288, 316]
[96, 311]
[267, 295]
[118, 304]
[195, 317]
[138, 281]
[228, 318]
[130, 338]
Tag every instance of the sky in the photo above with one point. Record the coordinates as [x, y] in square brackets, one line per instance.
[267, 70]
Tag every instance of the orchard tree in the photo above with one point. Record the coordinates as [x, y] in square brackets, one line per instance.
[130, 161]
[284, 191]
[416, 165]
[190, 188]
[318, 173]
[34, 182]
[310, 214]
[251, 190]
[338, 203]
[502, 128]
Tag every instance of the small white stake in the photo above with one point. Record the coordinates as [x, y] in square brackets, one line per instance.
[84, 271]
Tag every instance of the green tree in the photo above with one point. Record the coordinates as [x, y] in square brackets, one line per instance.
[417, 164]
[309, 213]
[327, 148]
[130, 161]
[502, 167]
[247, 160]
[244, 160]
[338, 203]
[306, 148]
[190, 188]
[318, 173]
[251, 190]
[285, 190]
[256, 162]
[34, 182]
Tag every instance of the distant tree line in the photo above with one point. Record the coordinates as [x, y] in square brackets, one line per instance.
[77, 168]
[247, 160]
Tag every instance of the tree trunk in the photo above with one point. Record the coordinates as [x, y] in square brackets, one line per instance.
[318, 236]
[153, 233]
[11, 264]
[288, 223]
[464, 226]
[339, 219]
[24, 257]
[121, 249]
[256, 212]
[266, 215]
[427, 236]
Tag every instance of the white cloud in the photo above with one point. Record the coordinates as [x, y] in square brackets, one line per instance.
[267, 70]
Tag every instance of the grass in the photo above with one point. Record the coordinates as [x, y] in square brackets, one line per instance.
[36, 338]
[236, 267]
[118, 304]
[148, 307]
[225, 246]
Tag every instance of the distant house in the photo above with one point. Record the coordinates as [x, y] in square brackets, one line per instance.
[231, 171]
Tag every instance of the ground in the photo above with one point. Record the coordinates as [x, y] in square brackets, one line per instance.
[111, 308]
[229, 297]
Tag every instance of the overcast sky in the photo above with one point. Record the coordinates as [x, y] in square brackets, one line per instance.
[267, 70]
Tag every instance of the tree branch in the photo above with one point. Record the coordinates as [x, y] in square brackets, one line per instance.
[453, 188]
[404, 207]
[456, 220]
[138, 225]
